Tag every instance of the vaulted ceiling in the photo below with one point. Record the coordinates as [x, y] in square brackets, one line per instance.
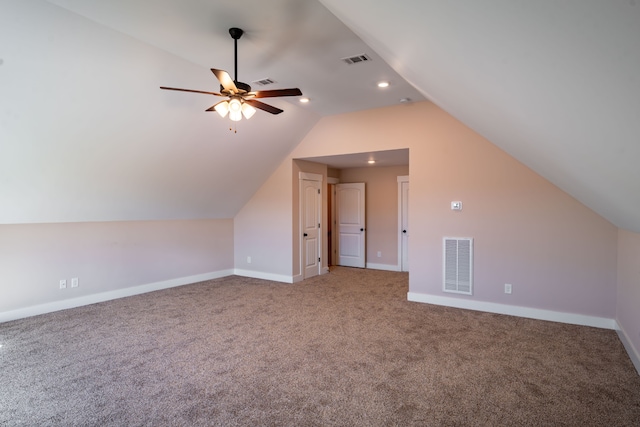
[86, 134]
[553, 83]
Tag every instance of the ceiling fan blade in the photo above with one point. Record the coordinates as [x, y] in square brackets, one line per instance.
[262, 106]
[225, 80]
[191, 90]
[213, 107]
[276, 92]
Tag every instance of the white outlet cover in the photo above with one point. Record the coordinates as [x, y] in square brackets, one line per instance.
[456, 206]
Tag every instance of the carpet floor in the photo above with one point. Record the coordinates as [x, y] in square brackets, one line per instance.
[342, 349]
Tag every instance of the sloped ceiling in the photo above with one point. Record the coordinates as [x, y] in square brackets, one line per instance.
[554, 83]
[86, 135]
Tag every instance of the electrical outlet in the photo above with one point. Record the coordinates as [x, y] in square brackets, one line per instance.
[74, 282]
[507, 288]
[63, 284]
[248, 260]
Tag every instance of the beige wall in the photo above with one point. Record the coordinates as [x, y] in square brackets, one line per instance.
[381, 204]
[557, 254]
[333, 173]
[628, 306]
[106, 257]
[262, 228]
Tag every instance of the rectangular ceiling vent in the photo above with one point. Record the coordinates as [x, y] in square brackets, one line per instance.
[458, 265]
[356, 59]
[264, 82]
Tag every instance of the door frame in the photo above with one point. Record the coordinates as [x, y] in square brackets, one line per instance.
[401, 180]
[308, 176]
[361, 260]
[331, 217]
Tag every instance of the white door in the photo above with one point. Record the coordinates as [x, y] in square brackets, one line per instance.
[351, 227]
[404, 226]
[311, 204]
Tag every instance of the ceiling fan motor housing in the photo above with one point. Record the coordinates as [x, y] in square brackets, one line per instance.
[242, 88]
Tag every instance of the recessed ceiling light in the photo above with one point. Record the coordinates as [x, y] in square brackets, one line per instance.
[304, 100]
[371, 162]
[383, 84]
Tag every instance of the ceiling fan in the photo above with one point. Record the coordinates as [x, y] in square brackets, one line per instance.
[241, 100]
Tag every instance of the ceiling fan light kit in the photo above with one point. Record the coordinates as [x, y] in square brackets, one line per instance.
[241, 100]
[222, 108]
[248, 111]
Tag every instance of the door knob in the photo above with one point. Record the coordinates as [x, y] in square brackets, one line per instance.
[362, 229]
[305, 234]
[404, 231]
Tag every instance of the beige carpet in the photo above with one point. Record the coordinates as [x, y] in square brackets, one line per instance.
[343, 349]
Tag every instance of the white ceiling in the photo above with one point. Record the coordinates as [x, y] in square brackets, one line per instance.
[296, 43]
[556, 84]
[85, 133]
[361, 160]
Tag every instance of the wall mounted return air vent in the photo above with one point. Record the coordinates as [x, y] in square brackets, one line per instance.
[458, 265]
[356, 59]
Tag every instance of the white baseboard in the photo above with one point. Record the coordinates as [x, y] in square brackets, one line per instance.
[299, 277]
[633, 353]
[50, 307]
[266, 276]
[512, 310]
[386, 267]
[274, 277]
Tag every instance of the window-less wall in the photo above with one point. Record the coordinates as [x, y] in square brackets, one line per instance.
[558, 254]
[110, 259]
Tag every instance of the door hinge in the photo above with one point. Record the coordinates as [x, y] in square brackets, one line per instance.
[318, 191]
[318, 225]
[318, 259]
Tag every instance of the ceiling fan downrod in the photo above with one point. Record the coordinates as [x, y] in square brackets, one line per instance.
[236, 33]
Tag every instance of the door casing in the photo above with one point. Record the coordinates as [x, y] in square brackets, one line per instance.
[316, 180]
[351, 227]
[403, 223]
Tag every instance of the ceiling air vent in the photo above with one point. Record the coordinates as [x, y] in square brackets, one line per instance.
[356, 59]
[264, 82]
